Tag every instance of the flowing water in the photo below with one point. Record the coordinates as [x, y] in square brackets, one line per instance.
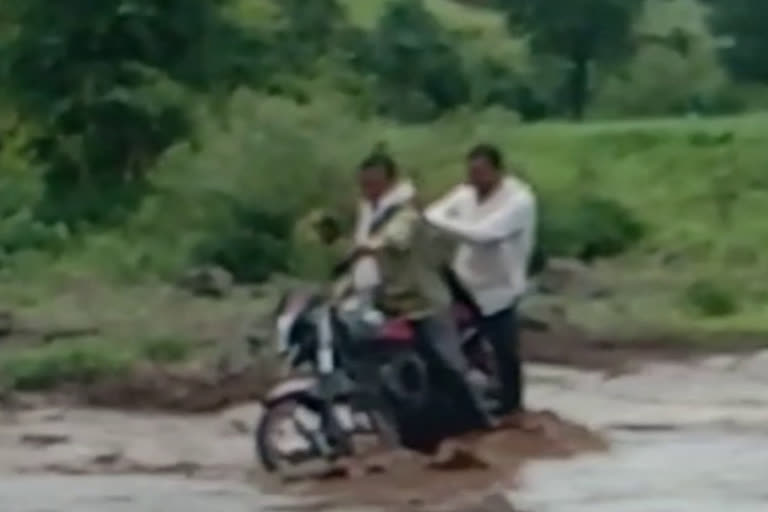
[685, 438]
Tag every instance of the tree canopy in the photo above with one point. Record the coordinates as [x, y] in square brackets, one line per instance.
[578, 31]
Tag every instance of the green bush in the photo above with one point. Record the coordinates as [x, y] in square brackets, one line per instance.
[419, 70]
[255, 244]
[165, 350]
[21, 231]
[106, 89]
[233, 200]
[45, 368]
[587, 228]
[710, 299]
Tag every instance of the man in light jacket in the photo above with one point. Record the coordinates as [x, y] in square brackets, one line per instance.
[493, 219]
[396, 265]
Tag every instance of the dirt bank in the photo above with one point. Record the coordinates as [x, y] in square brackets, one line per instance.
[200, 388]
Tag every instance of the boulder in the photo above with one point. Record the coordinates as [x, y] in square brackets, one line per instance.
[208, 282]
[7, 323]
[570, 277]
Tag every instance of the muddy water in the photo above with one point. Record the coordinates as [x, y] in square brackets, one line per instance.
[685, 438]
[701, 471]
[128, 494]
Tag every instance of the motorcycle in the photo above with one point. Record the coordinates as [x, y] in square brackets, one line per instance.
[367, 378]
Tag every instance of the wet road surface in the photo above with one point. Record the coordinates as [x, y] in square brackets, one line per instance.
[686, 438]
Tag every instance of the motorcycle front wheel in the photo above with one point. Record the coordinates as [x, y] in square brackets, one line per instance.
[294, 438]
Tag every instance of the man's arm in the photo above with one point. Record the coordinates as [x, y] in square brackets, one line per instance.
[447, 206]
[507, 221]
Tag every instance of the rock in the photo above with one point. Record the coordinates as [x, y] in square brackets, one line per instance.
[568, 276]
[540, 314]
[7, 323]
[44, 440]
[108, 459]
[495, 503]
[45, 416]
[53, 416]
[239, 426]
[208, 282]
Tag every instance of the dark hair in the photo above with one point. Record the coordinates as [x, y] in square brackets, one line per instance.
[488, 152]
[382, 161]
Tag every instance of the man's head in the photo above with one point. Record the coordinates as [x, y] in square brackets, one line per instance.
[377, 174]
[484, 168]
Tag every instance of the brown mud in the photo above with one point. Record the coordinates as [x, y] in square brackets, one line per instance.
[218, 447]
[464, 472]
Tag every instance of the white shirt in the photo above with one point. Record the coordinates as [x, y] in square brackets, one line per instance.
[496, 238]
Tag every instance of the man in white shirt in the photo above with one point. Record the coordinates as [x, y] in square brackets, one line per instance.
[493, 219]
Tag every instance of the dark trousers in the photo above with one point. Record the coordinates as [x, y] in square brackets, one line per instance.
[503, 332]
[439, 338]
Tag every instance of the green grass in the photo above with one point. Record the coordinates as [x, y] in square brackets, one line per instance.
[698, 186]
[74, 363]
[704, 201]
[84, 361]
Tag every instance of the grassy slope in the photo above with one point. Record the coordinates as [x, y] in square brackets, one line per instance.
[671, 175]
[661, 169]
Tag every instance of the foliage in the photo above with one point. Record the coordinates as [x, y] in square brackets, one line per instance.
[130, 109]
[242, 218]
[252, 246]
[580, 32]
[164, 350]
[79, 363]
[419, 72]
[84, 361]
[710, 299]
[309, 30]
[588, 228]
[103, 83]
[675, 69]
[745, 27]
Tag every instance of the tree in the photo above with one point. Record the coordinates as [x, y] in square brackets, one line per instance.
[420, 73]
[104, 83]
[675, 70]
[579, 31]
[745, 24]
[308, 30]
